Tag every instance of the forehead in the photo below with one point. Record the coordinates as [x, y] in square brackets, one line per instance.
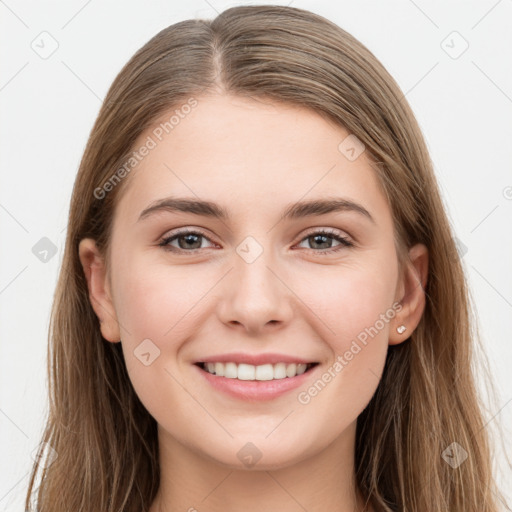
[247, 153]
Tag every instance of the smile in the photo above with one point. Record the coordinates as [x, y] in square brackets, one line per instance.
[255, 383]
[242, 371]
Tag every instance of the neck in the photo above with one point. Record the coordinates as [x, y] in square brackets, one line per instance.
[195, 483]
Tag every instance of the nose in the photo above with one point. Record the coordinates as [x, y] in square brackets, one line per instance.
[255, 297]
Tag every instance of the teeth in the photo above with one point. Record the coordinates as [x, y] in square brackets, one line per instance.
[291, 370]
[250, 372]
[219, 369]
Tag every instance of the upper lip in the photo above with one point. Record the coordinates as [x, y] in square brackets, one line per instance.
[254, 359]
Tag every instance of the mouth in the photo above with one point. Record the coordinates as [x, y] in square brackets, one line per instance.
[249, 372]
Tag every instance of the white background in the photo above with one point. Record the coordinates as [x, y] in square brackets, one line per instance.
[463, 105]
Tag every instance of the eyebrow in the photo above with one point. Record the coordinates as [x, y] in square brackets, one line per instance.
[297, 210]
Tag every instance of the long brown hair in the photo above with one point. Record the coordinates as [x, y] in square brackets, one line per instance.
[104, 439]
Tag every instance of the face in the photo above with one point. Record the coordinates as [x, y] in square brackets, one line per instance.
[256, 287]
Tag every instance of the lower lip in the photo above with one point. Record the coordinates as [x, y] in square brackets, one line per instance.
[256, 390]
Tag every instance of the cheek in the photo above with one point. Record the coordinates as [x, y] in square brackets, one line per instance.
[156, 301]
[351, 300]
[157, 307]
[354, 307]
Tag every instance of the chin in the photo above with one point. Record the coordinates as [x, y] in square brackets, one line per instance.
[260, 456]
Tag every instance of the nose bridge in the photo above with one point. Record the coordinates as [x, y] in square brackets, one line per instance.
[253, 261]
[255, 295]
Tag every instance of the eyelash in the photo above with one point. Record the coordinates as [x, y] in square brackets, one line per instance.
[344, 242]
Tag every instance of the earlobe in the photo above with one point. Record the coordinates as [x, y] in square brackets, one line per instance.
[414, 281]
[100, 296]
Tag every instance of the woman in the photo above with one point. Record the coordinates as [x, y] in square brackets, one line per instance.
[258, 370]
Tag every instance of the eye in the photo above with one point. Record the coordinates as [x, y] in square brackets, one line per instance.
[322, 237]
[190, 241]
[186, 239]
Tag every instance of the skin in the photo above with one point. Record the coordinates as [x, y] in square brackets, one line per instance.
[253, 158]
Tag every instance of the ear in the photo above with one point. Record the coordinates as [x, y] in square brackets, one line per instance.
[411, 294]
[99, 288]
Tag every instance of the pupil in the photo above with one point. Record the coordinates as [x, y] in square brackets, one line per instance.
[189, 239]
[314, 237]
